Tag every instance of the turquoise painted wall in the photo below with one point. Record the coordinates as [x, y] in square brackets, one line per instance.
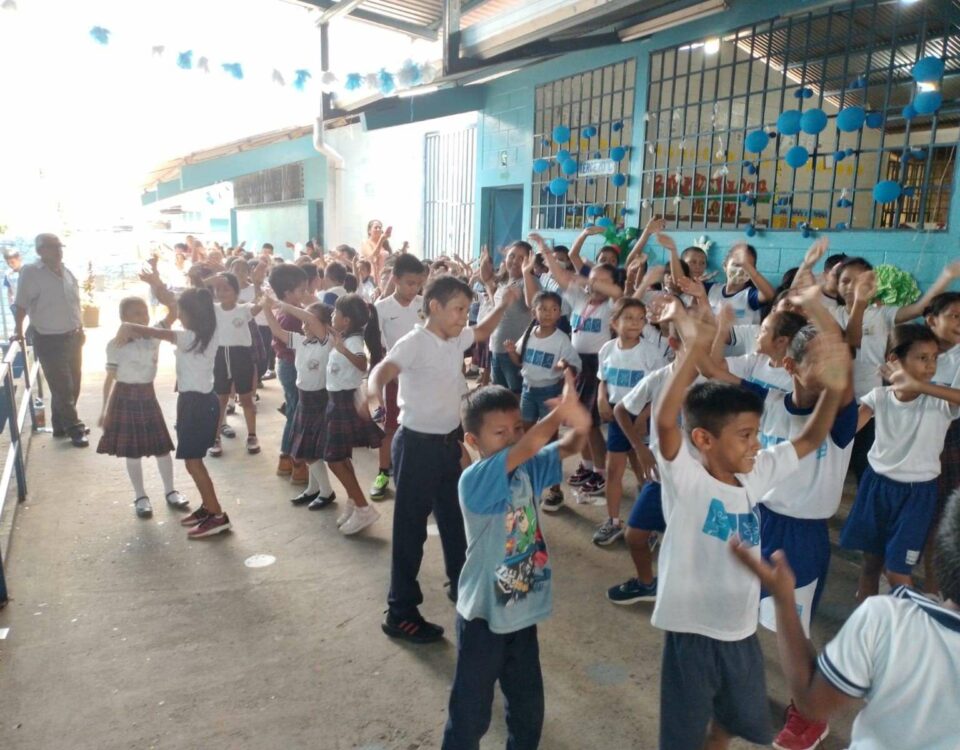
[506, 123]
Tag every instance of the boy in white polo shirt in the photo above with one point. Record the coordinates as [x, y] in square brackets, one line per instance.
[427, 448]
[899, 653]
[712, 678]
[398, 314]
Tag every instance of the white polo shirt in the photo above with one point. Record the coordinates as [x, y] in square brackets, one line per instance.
[758, 369]
[948, 368]
[878, 321]
[431, 379]
[342, 374]
[135, 362]
[194, 369]
[310, 358]
[900, 654]
[233, 326]
[396, 319]
[51, 301]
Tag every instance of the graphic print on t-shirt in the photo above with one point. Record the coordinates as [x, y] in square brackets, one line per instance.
[539, 358]
[622, 377]
[586, 325]
[523, 569]
[722, 525]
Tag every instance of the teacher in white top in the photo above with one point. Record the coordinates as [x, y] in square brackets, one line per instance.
[376, 247]
[49, 293]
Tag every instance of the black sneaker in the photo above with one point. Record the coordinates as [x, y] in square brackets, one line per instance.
[305, 497]
[415, 630]
[320, 502]
[553, 500]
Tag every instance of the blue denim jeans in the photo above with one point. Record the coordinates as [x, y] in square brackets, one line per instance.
[483, 658]
[287, 375]
[504, 372]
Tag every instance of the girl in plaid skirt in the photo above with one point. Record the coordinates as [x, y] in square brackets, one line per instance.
[132, 422]
[312, 350]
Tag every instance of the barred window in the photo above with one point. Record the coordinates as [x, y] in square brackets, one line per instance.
[705, 99]
[597, 108]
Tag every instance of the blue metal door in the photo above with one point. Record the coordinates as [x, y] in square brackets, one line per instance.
[505, 219]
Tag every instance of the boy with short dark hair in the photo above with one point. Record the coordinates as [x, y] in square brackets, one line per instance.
[289, 284]
[899, 653]
[712, 677]
[505, 585]
[428, 362]
[334, 277]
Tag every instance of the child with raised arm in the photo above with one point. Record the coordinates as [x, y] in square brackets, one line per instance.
[745, 289]
[426, 449]
[900, 654]
[897, 497]
[198, 410]
[506, 583]
[132, 421]
[712, 678]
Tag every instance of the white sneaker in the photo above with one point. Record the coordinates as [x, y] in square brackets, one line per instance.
[347, 512]
[359, 520]
[176, 500]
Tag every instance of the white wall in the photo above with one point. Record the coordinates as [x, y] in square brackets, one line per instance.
[273, 224]
[384, 178]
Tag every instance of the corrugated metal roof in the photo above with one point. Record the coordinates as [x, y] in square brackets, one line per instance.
[487, 10]
[418, 12]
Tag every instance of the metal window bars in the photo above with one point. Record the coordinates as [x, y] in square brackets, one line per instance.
[600, 99]
[701, 106]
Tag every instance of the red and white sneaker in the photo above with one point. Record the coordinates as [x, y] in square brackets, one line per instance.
[581, 475]
[595, 485]
[209, 526]
[195, 518]
[799, 733]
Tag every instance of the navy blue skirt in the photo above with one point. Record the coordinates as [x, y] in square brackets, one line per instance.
[198, 422]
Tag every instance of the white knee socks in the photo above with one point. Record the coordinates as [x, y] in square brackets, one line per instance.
[165, 464]
[319, 480]
[135, 471]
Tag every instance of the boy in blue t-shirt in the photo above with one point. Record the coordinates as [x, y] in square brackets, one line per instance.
[505, 585]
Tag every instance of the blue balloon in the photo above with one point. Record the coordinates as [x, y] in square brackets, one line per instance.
[569, 167]
[589, 131]
[805, 232]
[597, 155]
[850, 119]
[624, 211]
[874, 119]
[928, 70]
[588, 224]
[797, 156]
[617, 126]
[749, 200]
[849, 152]
[619, 180]
[605, 221]
[788, 123]
[562, 156]
[540, 166]
[813, 121]
[909, 112]
[751, 230]
[756, 141]
[751, 169]
[887, 191]
[559, 186]
[546, 143]
[839, 155]
[841, 225]
[617, 153]
[803, 93]
[927, 102]
[561, 134]
[909, 191]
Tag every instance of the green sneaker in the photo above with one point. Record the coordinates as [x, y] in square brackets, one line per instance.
[379, 489]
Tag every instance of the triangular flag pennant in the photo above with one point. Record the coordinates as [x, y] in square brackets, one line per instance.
[158, 50]
[203, 64]
[278, 78]
[234, 69]
[300, 78]
[100, 35]
[185, 59]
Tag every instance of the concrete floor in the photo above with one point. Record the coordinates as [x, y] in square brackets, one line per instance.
[125, 635]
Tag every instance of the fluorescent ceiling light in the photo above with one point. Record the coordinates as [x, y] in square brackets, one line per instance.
[492, 77]
[711, 46]
[926, 86]
[669, 20]
[406, 93]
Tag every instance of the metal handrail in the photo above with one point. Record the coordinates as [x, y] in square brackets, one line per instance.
[15, 462]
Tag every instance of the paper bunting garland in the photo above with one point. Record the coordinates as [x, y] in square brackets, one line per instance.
[100, 35]
[185, 60]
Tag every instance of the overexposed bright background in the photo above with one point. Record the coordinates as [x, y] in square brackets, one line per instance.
[83, 123]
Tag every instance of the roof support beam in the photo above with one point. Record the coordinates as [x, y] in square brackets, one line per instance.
[376, 19]
[451, 35]
[343, 6]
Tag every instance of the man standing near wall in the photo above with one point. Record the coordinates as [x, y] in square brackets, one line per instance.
[12, 277]
[51, 296]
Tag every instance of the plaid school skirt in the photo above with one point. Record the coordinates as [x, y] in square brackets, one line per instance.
[309, 425]
[345, 429]
[134, 426]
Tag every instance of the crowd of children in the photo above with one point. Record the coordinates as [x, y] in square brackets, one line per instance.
[739, 408]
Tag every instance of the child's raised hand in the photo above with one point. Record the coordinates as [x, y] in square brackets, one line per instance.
[865, 288]
[666, 242]
[952, 270]
[654, 275]
[899, 378]
[775, 576]
[388, 232]
[510, 295]
[692, 287]
[832, 363]
[125, 334]
[529, 262]
[816, 251]
[655, 225]
[806, 295]
[591, 231]
[574, 414]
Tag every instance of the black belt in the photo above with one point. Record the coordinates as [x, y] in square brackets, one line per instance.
[449, 437]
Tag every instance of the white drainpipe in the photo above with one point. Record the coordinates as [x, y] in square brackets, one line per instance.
[335, 164]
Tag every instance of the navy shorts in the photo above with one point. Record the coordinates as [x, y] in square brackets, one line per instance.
[647, 512]
[891, 520]
[533, 401]
[198, 421]
[703, 679]
[617, 442]
[234, 370]
[806, 542]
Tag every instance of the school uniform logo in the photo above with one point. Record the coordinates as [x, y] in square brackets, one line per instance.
[313, 364]
[722, 525]
[238, 323]
[524, 567]
[623, 378]
[539, 359]
[586, 325]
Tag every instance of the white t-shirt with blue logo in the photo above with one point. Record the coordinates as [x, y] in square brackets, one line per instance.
[900, 654]
[702, 588]
[948, 368]
[878, 321]
[815, 490]
[540, 358]
[745, 303]
[506, 579]
[758, 369]
[590, 321]
[621, 369]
